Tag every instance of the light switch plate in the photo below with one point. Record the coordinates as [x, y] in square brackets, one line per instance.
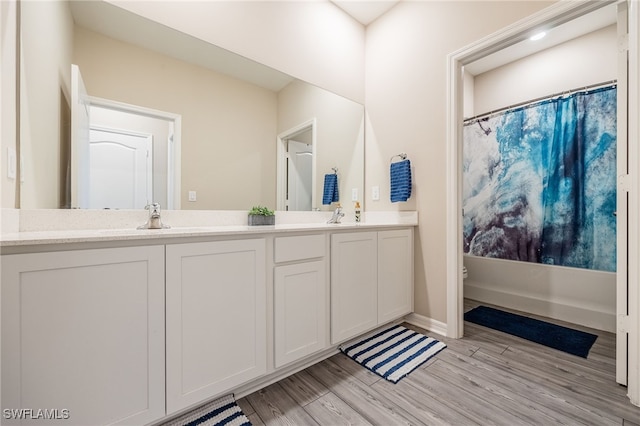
[192, 196]
[354, 194]
[375, 193]
[11, 163]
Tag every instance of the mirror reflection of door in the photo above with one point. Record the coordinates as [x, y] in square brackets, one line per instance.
[120, 169]
[85, 185]
[299, 175]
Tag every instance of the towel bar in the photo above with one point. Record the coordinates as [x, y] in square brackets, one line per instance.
[402, 156]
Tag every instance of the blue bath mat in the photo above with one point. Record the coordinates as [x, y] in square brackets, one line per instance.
[565, 339]
[394, 353]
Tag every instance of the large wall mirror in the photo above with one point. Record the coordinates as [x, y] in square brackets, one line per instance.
[186, 123]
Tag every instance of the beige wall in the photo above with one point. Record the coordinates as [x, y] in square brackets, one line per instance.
[406, 68]
[228, 126]
[590, 59]
[339, 134]
[314, 41]
[8, 28]
[47, 38]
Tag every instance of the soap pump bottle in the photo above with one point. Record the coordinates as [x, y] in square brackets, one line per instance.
[357, 211]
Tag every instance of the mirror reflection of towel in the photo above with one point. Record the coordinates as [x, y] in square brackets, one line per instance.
[330, 192]
[400, 173]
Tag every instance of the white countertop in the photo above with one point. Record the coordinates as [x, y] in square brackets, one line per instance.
[310, 222]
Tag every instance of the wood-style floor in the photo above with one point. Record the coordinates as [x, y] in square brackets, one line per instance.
[487, 377]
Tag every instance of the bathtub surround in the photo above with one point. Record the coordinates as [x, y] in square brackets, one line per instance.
[575, 295]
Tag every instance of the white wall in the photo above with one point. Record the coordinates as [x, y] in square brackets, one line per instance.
[8, 128]
[406, 80]
[575, 295]
[314, 41]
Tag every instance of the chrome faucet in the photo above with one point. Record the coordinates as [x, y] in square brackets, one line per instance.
[337, 214]
[154, 221]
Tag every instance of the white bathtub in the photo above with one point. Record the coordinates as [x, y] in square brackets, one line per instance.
[575, 295]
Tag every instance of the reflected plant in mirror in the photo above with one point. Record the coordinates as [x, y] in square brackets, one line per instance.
[184, 116]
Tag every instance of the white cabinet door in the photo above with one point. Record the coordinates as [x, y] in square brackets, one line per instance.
[216, 318]
[354, 284]
[395, 274]
[83, 335]
[300, 310]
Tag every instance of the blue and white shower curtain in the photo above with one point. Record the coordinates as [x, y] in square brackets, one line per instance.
[540, 182]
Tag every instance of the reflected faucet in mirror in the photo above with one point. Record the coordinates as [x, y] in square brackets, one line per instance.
[154, 221]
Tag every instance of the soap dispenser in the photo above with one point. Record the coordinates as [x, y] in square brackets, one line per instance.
[357, 211]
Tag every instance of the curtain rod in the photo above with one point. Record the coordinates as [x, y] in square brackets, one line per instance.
[490, 114]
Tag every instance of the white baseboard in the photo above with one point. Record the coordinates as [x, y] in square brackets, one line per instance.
[427, 323]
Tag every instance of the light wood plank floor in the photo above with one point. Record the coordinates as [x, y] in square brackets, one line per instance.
[487, 377]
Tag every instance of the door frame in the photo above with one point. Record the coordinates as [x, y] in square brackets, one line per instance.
[174, 157]
[281, 162]
[553, 15]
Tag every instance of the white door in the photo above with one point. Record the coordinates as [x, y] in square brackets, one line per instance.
[120, 170]
[622, 223]
[79, 141]
[299, 176]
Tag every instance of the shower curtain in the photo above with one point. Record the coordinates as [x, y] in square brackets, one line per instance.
[540, 182]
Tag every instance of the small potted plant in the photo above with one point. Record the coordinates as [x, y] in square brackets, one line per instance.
[260, 215]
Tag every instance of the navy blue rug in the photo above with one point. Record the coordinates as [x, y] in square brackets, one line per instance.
[565, 339]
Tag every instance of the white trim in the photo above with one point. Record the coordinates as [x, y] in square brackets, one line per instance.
[634, 204]
[281, 171]
[622, 155]
[427, 323]
[174, 152]
[555, 14]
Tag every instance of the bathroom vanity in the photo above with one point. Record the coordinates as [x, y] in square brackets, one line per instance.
[123, 326]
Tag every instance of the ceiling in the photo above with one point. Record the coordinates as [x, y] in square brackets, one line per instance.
[365, 11]
[577, 27]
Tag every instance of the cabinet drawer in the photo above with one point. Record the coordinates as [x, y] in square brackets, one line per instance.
[302, 247]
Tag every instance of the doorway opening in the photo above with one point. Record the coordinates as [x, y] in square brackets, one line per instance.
[152, 150]
[160, 130]
[296, 168]
[551, 17]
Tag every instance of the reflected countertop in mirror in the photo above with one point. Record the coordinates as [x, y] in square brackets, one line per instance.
[223, 153]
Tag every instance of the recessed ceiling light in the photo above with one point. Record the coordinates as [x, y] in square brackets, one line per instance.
[538, 36]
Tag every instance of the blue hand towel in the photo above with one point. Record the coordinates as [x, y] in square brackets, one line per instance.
[400, 181]
[330, 192]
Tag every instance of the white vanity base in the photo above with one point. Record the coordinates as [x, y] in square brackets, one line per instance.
[217, 309]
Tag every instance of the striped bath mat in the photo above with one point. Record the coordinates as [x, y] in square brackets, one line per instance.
[222, 411]
[394, 353]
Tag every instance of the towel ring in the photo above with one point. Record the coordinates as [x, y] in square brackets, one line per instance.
[335, 170]
[402, 156]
